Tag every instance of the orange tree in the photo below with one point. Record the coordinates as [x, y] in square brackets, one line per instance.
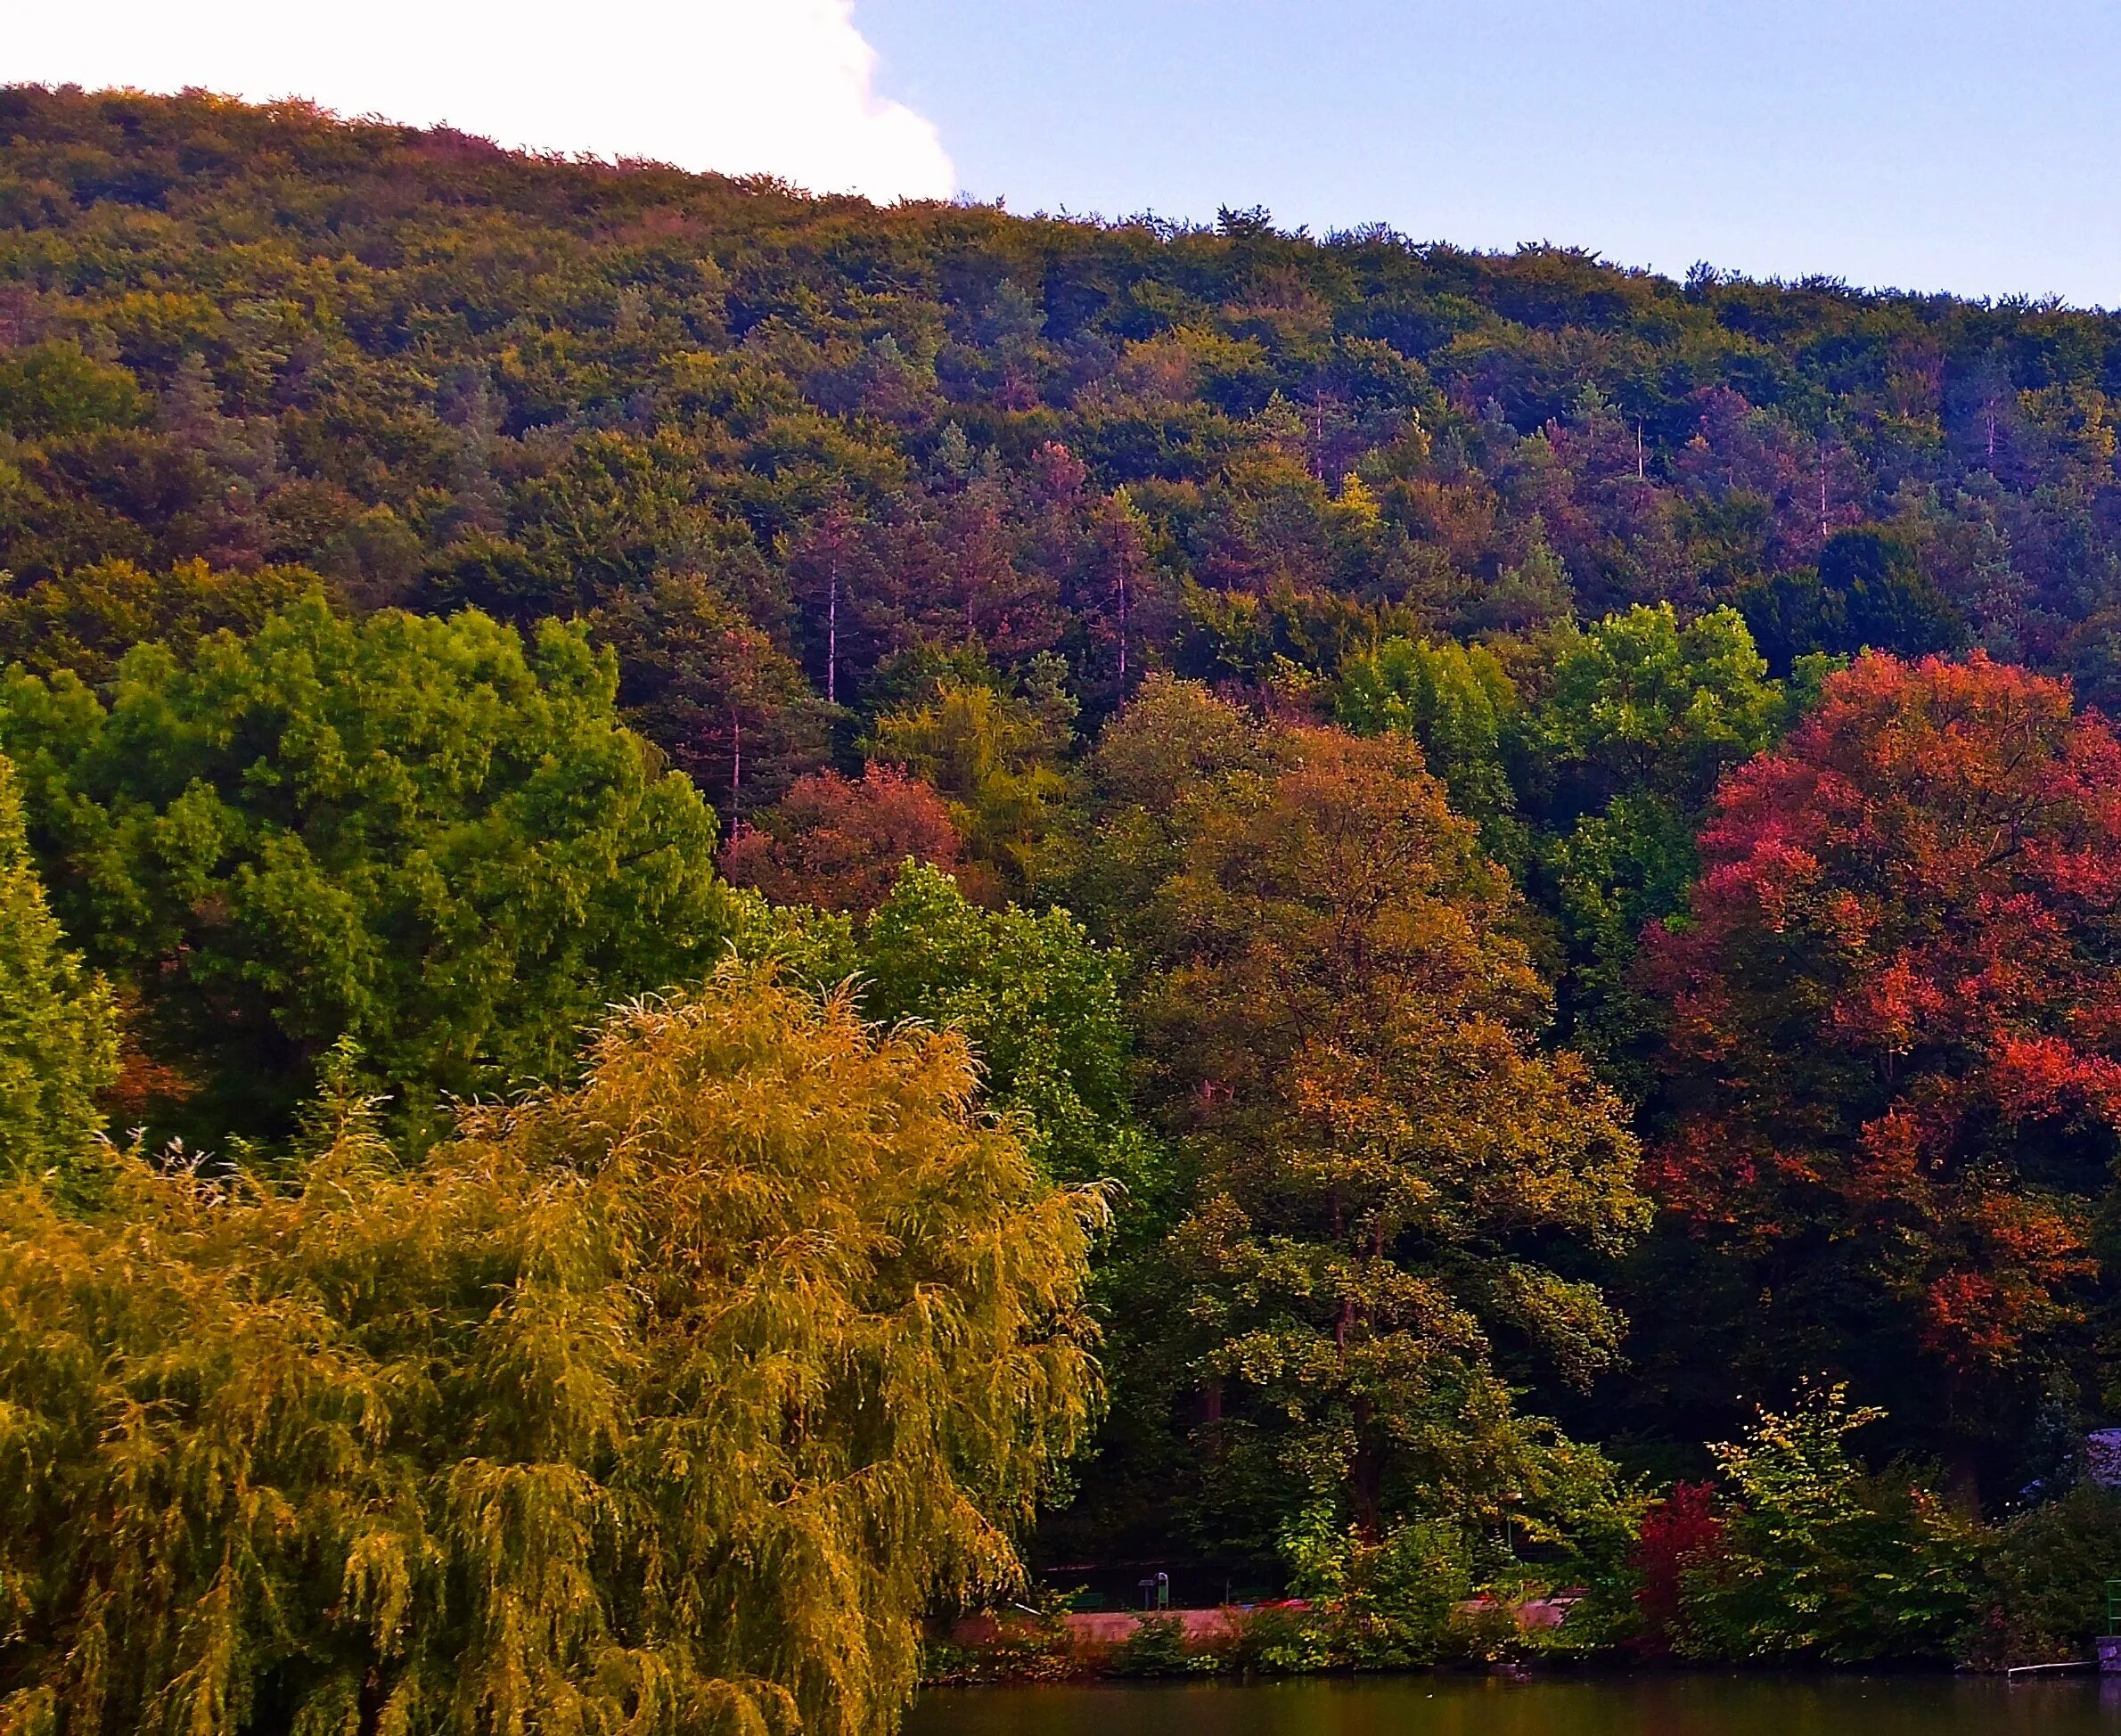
[839, 842]
[1344, 1017]
[1894, 1072]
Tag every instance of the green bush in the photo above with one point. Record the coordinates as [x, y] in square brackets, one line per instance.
[1819, 1561]
[1391, 1604]
[1283, 1642]
[2047, 1574]
[1157, 1647]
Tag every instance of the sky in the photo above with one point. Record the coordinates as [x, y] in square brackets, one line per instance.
[1955, 145]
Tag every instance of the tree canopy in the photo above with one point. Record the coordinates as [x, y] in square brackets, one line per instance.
[407, 831]
[1893, 1050]
[1344, 1022]
[1335, 745]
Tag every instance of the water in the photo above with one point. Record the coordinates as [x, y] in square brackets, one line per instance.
[1598, 1706]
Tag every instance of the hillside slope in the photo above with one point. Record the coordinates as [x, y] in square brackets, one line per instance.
[783, 443]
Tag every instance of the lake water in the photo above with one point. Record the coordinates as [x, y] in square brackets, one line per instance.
[1599, 1706]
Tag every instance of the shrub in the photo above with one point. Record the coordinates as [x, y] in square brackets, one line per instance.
[1819, 1561]
[2048, 1573]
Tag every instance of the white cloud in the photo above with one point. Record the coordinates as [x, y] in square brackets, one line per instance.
[782, 87]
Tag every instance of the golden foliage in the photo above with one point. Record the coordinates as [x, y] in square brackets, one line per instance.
[659, 1404]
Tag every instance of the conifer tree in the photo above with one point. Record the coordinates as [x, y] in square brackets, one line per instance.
[58, 1045]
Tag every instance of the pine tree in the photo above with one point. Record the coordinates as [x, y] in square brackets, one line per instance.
[58, 1043]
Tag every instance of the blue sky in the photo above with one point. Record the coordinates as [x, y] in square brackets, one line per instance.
[1975, 148]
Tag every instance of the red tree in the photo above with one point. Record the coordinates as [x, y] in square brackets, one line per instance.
[838, 842]
[1895, 1020]
[1681, 1534]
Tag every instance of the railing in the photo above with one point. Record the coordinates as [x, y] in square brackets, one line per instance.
[2017, 1670]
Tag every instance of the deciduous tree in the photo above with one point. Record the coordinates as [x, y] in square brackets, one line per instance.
[1344, 1022]
[1643, 714]
[1895, 1059]
[839, 842]
[403, 830]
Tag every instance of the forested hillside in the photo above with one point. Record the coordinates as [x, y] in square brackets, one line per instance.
[1518, 865]
[440, 375]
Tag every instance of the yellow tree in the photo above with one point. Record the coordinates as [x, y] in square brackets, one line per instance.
[664, 1404]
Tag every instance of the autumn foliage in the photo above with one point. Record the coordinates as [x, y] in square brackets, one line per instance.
[666, 1402]
[429, 574]
[1346, 1022]
[1680, 1534]
[1894, 1054]
[838, 842]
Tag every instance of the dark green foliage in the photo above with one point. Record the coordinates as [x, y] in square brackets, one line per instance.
[87, 620]
[404, 830]
[438, 372]
[1157, 1647]
[1868, 592]
[1888, 602]
[2049, 1570]
[729, 706]
[1792, 615]
[786, 483]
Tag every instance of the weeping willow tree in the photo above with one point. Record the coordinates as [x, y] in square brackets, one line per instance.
[659, 1404]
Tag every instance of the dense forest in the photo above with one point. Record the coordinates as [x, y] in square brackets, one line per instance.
[726, 914]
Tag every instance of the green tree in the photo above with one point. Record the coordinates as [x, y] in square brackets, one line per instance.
[1643, 714]
[403, 830]
[731, 709]
[58, 1043]
[1040, 1003]
[1536, 593]
[1458, 701]
[85, 620]
[1892, 604]
[665, 1402]
[52, 387]
[1870, 592]
[996, 759]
